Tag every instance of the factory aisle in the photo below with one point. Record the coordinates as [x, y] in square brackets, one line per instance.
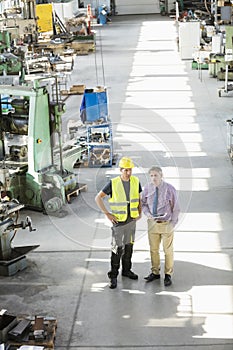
[162, 114]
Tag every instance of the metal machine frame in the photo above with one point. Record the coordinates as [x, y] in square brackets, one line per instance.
[12, 259]
[31, 176]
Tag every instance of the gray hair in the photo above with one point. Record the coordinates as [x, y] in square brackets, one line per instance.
[157, 169]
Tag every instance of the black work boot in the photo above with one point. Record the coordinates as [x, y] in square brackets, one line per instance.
[115, 265]
[113, 281]
[130, 274]
[127, 264]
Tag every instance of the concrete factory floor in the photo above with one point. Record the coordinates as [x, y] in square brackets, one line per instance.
[164, 113]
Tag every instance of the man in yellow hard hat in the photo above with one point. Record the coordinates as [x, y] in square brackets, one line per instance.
[125, 209]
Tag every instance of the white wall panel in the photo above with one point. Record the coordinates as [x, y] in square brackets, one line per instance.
[189, 38]
[134, 7]
[66, 10]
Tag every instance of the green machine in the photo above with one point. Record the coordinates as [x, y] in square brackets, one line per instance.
[9, 63]
[30, 127]
[5, 40]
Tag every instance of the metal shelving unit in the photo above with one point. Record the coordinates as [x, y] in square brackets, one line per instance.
[100, 145]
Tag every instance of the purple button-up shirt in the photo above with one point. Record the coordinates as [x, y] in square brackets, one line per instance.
[167, 201]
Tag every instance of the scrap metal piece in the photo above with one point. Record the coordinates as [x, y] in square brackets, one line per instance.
[18, 333]
[39, 331]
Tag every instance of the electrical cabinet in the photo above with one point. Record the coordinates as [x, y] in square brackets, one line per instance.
[100, 145]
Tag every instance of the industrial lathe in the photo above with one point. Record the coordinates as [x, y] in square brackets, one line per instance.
[12, 259]
[30, 132]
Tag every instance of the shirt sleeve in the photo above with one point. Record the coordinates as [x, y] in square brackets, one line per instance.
[175, 207]
[107, 189]
[145, 206]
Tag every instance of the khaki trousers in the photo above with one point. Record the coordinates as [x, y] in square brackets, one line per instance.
[158, 232]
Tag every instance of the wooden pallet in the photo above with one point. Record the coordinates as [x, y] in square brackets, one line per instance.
[74, 193]
[50, 327]
[83, 47]
[68, 92]
[74, 90]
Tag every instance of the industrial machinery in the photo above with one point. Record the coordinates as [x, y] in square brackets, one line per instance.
[5, 40]
[29, 133]
[9, 62]
[12, 259]
[19, 19]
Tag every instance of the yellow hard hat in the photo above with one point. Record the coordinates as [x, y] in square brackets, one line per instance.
[126, 163]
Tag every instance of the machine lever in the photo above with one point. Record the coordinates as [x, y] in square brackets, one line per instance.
[29, 224]
[23, 225]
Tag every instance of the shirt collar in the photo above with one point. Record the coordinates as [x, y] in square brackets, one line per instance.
[159, 186]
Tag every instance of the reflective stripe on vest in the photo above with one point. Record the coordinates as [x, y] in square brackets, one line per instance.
[118, 202]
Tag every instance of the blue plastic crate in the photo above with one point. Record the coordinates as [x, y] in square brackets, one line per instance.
[94, 106]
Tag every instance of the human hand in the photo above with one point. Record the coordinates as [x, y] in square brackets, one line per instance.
[139, 217]
[112, 218]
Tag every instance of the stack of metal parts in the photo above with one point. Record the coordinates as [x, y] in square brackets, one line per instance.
[38, 331]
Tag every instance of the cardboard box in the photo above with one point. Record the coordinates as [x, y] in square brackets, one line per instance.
[79, 89]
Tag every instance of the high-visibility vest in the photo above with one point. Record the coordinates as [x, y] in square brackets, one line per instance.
[118, 202]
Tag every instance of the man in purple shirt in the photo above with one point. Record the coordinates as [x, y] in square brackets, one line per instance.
[160, 205]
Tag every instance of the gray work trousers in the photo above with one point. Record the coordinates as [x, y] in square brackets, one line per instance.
[122, 247]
